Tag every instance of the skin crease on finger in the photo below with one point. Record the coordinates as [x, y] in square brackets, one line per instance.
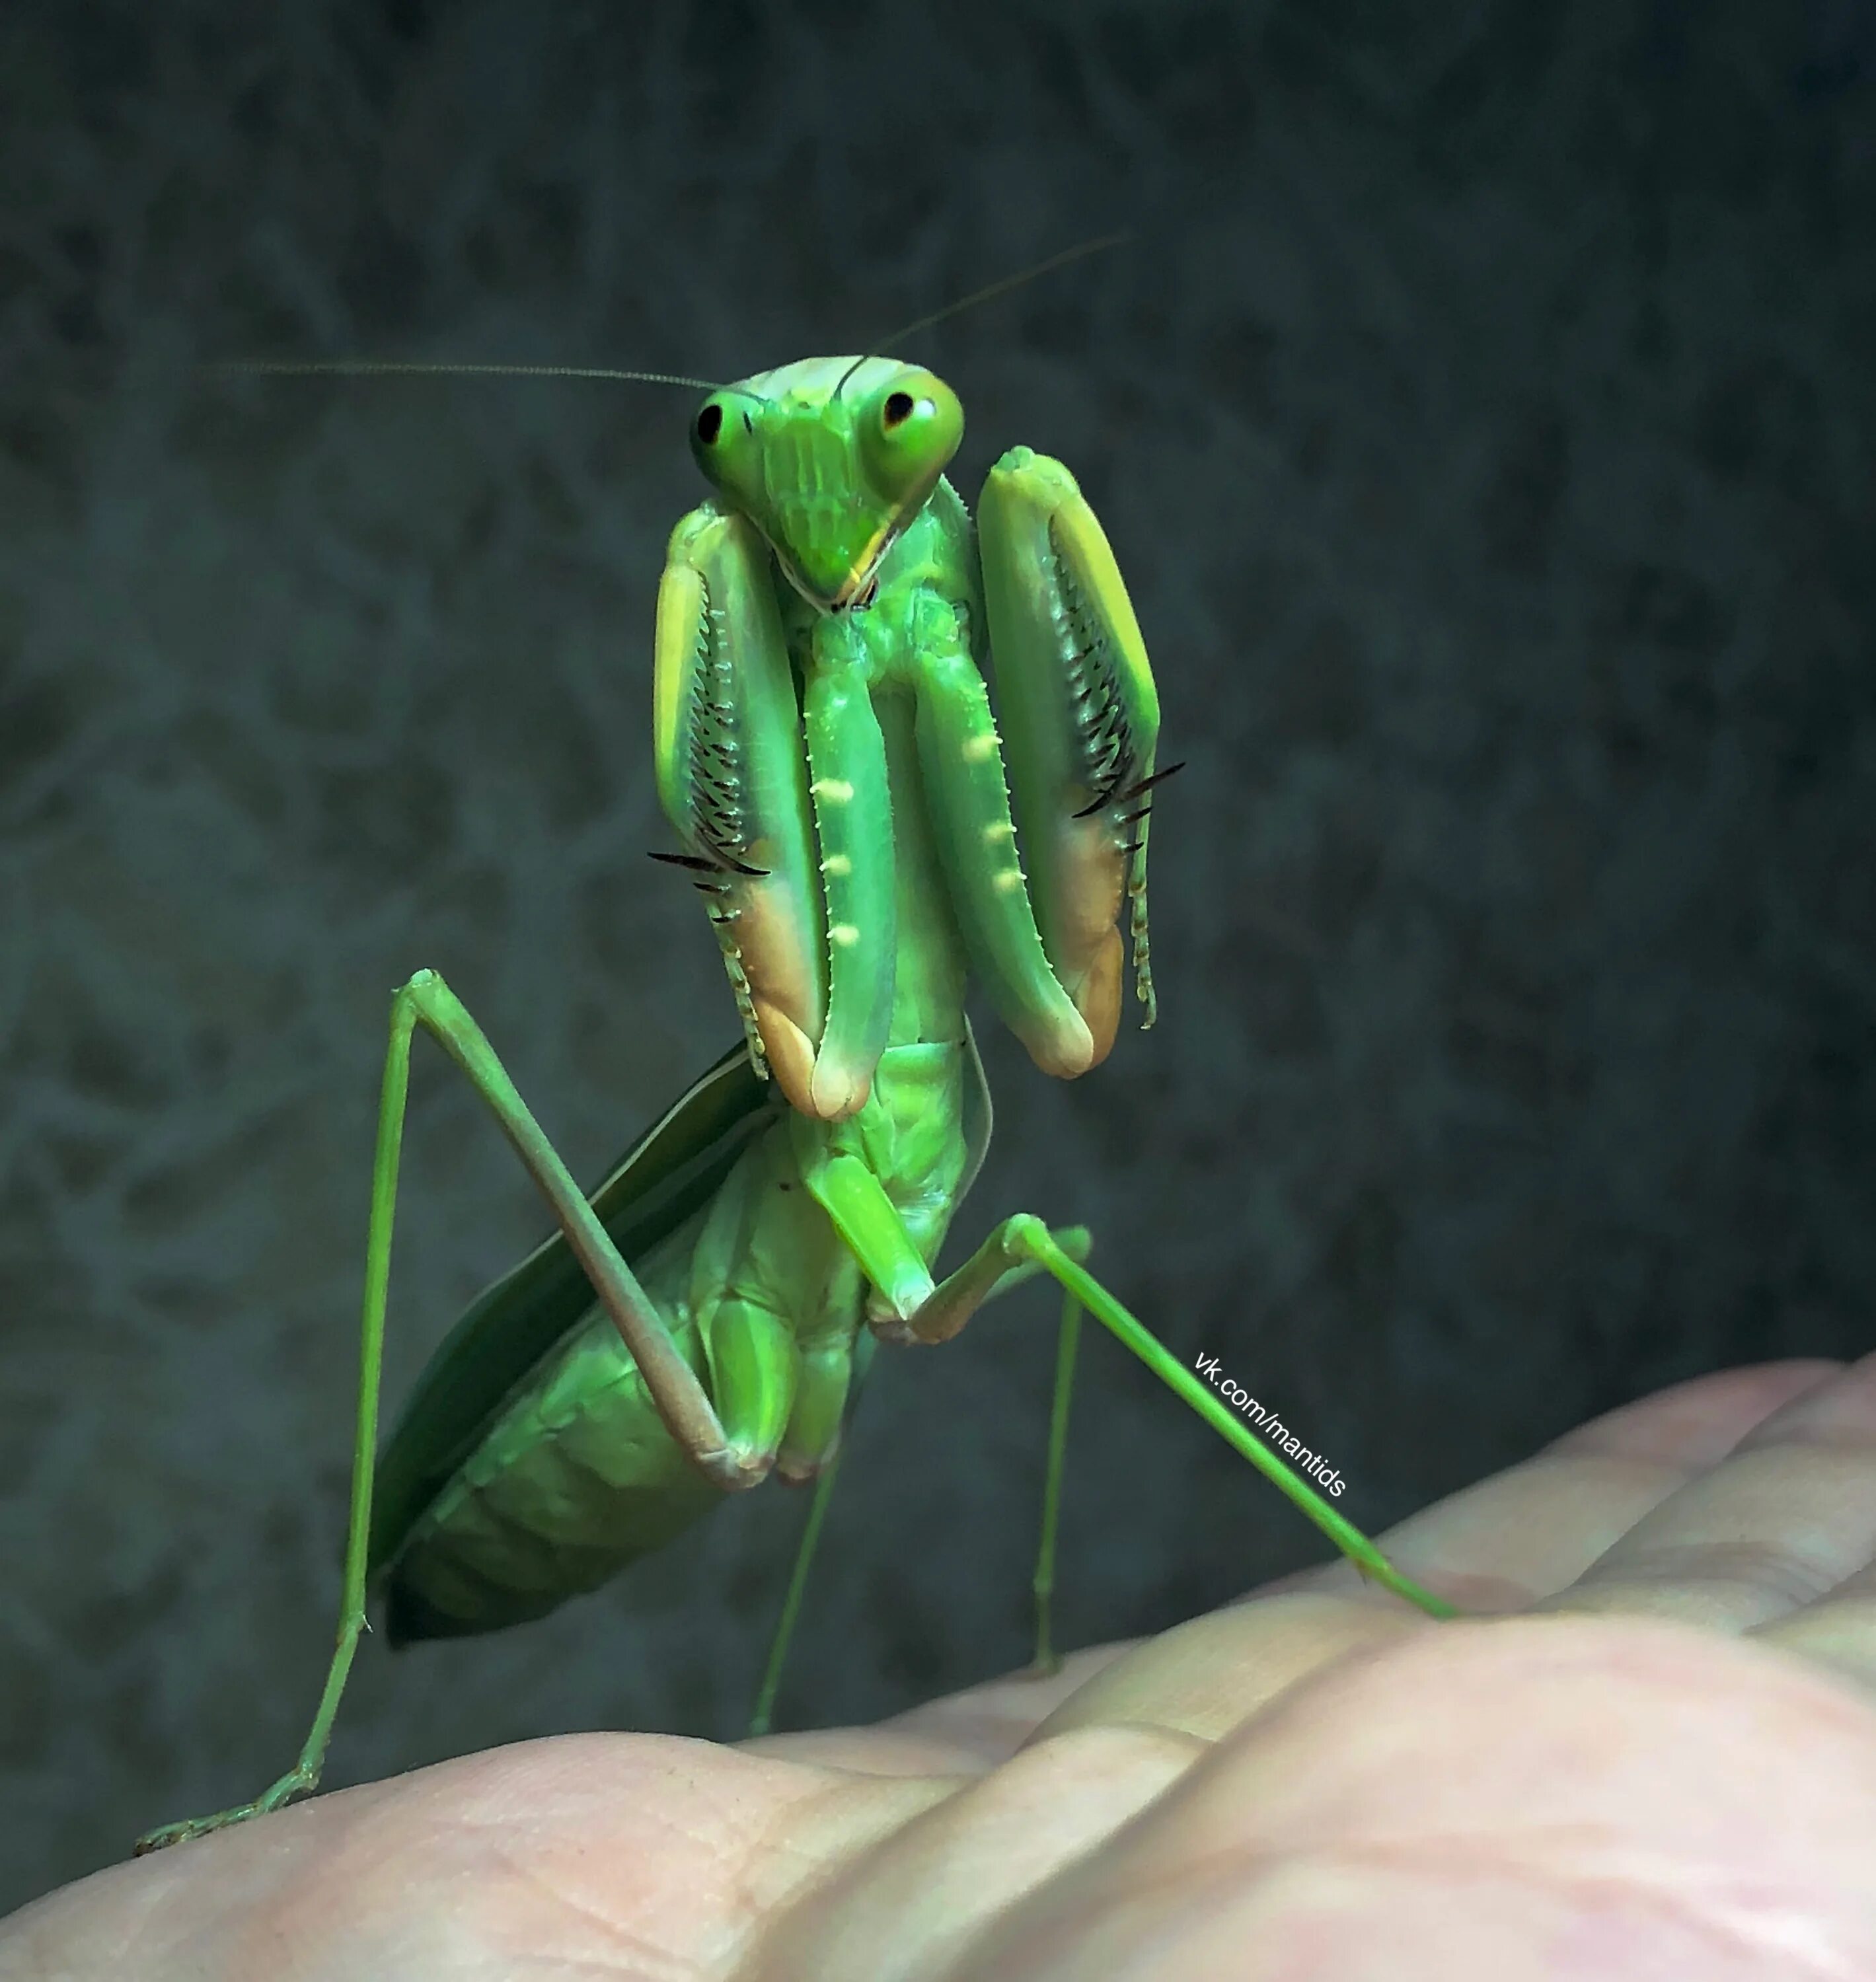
[1549, 1797]
[1538, 1798]
[1641, 1863]
[588, 1854]
[1613, 1791]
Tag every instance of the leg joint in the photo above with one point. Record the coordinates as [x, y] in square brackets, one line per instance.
[1026, 1237]
[424, 991]
[736, 1468]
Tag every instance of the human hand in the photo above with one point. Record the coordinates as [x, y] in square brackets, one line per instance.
[1656, 1757]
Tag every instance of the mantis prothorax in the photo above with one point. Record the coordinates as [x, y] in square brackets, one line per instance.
[852, 813]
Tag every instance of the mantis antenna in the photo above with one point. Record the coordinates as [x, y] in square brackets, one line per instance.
[368, 368]
[990, 292]
[357, 368]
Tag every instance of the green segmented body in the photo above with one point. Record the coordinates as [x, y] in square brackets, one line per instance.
[827, 754]
[836, 776]
[576, 1476]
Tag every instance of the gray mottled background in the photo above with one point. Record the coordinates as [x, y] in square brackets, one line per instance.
[1484, 420]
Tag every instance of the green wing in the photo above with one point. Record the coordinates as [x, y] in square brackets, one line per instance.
[671, 1170]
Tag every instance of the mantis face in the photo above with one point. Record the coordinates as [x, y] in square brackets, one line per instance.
[830, 459]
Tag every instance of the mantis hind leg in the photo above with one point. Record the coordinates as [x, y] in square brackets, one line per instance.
[817, 1432]
[682, 1403]
[761, 1715]
[1041, 1583]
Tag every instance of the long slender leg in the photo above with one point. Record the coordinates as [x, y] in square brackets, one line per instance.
[682, 1401]
[864, 1217]
[686, 1408]
[762, 1713]
[1068, 1337]
[1042, 1581]
[1026, 1238]
[305, 1774]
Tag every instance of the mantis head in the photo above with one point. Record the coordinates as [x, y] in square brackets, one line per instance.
[830, 459]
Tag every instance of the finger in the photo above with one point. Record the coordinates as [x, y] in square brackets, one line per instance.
[962, 1734]
[902, 1908]
[1836, 1411]
[1695, 1424]
[1533, 1530]
[1208, 1676]
[1838, 1631]
[1784, 1518]
[1560, 1798]
[1496, 1547]
[587, 1854]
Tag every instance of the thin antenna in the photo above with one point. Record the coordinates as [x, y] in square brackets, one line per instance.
[356, 367]
[989, 293]
[384, 367]
[992, 290]
[380, 367]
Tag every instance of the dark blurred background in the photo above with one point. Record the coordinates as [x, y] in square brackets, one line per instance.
[1483, 418]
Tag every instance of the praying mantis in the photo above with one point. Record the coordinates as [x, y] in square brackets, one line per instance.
[867, 835]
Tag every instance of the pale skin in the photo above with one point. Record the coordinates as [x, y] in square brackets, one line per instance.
[1657, 1757]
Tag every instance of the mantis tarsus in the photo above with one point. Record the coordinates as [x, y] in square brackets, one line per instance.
[827, 755]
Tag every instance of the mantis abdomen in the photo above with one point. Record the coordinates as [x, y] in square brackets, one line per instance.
[575, 1475]
[576, 1478]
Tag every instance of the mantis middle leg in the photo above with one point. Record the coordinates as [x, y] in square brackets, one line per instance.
[1042, 1581]
[1023, 1245]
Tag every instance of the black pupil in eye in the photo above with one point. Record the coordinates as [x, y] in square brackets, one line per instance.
[898, 408]
[710, 423]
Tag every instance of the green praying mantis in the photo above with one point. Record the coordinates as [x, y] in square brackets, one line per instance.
[866, 835]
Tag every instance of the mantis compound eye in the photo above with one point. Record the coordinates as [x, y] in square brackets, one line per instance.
[710, 424]
[910, 431]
